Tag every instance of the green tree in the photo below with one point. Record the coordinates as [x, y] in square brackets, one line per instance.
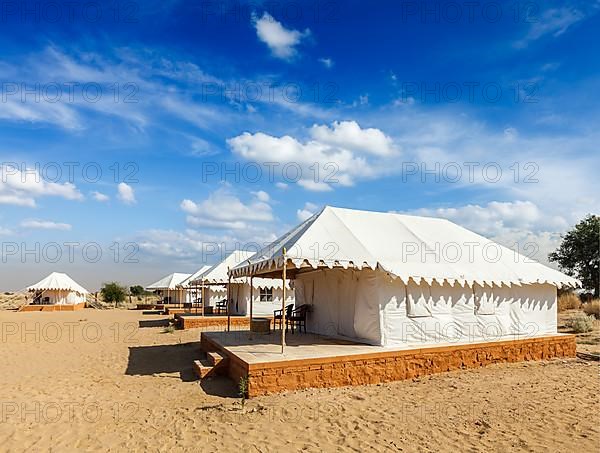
[113, 292]
[579, 253]
[136, 290]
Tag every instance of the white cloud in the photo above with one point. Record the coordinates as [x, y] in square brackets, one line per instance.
[553, 21]
[263, 196]
[126, 193]
[344, 153]
[519, 225]
[5, 231]
[280, 40]
[73, 110]
[222, 221]
[497, 217]
[315, 186]
[511, 133]
[169, 243]
[307, 211]
[349, 135]
[223, 209]
[363, 100]
[99, 196]
[327, 62]
[199, 247]
[18, 200]
[281, 185]
[404, 101]
[22, 186]
[45, 225]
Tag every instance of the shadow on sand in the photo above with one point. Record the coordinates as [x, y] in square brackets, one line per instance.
[154, 323]
[220, 386]
[163, 359]
[177, 358]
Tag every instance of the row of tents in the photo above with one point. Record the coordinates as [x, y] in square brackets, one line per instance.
[209, 287]
[387, 279]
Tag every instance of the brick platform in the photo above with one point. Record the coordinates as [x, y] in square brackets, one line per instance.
[272, 376]
[212, 322]
[182, 311]
[52, 307]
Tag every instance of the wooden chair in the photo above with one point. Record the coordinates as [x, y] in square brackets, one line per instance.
[221, 306]
[278, 316]
[298, 318]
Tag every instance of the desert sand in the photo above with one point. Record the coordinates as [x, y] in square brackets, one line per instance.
[111, 380]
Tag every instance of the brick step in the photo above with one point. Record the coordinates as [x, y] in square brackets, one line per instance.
[202, 368]
[214, 358]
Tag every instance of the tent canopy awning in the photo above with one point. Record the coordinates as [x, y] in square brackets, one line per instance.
[188, 281]
[60, 282]
[218, 273]
[407, 247]
[168, 282]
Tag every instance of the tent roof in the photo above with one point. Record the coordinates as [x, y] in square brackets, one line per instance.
[218, 274]
[404, 246]
[169, 282]
[58, 281]
[193, 276]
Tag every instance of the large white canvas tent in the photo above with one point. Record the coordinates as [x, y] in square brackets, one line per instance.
[58, 289]
[399, 280]
[266, 294]
[168, 287]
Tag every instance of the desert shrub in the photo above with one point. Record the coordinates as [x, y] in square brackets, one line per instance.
[113, 292]
[592, 308]
[137, 290]
[568, 301]
[581, 323]
[169, 329]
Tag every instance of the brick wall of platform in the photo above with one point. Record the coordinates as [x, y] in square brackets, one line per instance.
[52, 307]
[390, 366]
[213, 322]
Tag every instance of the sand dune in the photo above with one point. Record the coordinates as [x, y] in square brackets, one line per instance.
[111, 380]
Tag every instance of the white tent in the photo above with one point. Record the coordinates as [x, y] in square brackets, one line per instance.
[266, 295]
[169, 286]
[58, 289]
[188, 281]
[392, 279]
[192, 292]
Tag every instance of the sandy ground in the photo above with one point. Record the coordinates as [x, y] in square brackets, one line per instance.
[110, 380]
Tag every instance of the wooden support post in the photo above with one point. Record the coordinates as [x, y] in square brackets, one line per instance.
[202, 298]
[228, 293]
[283, 302]
[251, 298]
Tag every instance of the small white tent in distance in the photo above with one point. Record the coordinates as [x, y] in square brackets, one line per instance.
[169, 288]
[57, 289]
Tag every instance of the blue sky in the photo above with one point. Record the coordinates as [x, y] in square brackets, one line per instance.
[393, 108]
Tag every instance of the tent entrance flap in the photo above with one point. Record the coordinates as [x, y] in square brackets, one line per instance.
[345, 303]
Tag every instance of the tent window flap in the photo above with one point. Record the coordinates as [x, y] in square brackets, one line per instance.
[266, 294]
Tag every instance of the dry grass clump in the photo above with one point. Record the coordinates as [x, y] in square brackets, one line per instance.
[568, 301]
[581, 323]
[592, 308]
